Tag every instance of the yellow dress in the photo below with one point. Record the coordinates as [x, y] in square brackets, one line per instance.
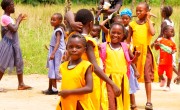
[141, 40]
[73, 79]
[116, 67]
[95, 95]
[108, 38]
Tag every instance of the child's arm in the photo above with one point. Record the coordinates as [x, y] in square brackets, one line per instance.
[76, 26]
[134, 57]
[98, 71]
[150, 24]
[178, 77]
[58, 36]
[88, 88]
[136, 73]
[14, 27]
[130, 33]
[104, 29]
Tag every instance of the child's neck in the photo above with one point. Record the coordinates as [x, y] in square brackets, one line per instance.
[56, 27]
[141, 21]
[75, 62]
[115, 45]
[7, 13]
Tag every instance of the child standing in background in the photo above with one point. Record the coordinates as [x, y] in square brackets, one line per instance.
[56, 50]
[166, 13]
[126, 16]
[77, 79]
[10, 52]
[95, 33]
[141, 32]
[165, 60]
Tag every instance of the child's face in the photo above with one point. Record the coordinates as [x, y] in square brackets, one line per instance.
[141, 11]
[75, 48]
[11, 7]
[95, 32]
[55, 21]
[116, 34]
[169, 32]
[126, 19]
[117, 20]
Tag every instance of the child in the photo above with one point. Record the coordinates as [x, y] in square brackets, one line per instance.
[77, 79]
[114, 19]
[165, 61]
[10, 52]
[92, 54]
[57, 48]
[177, 79]
[95, 33]
[166, 12]
[142, 31]
[126, 16]
[116, 68]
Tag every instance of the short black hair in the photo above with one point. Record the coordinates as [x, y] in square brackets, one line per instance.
[146, 5]
[76, 35]
[124, 30]
[5, 3]
[166, 28]
[84, 16]
[59, 15]
[167, 10]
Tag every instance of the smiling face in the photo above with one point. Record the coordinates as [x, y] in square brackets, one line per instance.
[116, 33]
[75, 48]
[141, 11]
[55, 21]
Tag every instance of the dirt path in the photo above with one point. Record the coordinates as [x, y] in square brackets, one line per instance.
[35, 100]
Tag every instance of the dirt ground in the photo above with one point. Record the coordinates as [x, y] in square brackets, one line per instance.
[33, 99]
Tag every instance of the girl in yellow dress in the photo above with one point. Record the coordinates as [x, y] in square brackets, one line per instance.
[116, 68]
[141, 32]
[85, 17]
[77, 79]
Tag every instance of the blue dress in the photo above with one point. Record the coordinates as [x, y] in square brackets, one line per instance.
[54, 64]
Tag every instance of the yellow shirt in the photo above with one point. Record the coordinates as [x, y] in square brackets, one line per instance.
[116, 67]
[141, 40]
[108, 38]
[95, 95]
[74, 79]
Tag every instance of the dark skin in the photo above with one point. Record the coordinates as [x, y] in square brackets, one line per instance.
[13, 28]
[75, 49]
[143, 15]
[90, 52]
[55, 22]
[178, 77]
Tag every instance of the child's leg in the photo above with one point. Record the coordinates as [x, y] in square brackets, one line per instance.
[148, 91]
[21, 85]
[175, 70]
[54, 83]
[50, 84]
[133, 101]
[168, 82]
[1, 75]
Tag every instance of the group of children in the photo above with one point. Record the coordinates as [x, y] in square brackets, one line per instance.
[95, 75]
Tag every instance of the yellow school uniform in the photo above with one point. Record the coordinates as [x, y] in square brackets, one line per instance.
[108, 38]
[73, 79]
[95, 95]
[141, 40]
[116, 67]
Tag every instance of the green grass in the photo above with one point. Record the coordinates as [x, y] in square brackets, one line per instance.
[36, 31]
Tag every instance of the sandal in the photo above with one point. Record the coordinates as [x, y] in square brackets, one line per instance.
[134, 107]
[149, 106]
[50, 92]
[24, 87]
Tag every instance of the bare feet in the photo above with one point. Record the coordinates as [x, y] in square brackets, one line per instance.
[24, 87]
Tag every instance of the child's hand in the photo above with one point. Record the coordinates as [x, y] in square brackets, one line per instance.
[137, 75]
[137, 53]
[116, 90]
[24, 16]
[177, 79]
[77, 26]
[51, 57]
[64, 93]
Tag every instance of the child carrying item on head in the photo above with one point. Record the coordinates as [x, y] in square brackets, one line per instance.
[167, 47]
[56, 50]
[77, 79]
